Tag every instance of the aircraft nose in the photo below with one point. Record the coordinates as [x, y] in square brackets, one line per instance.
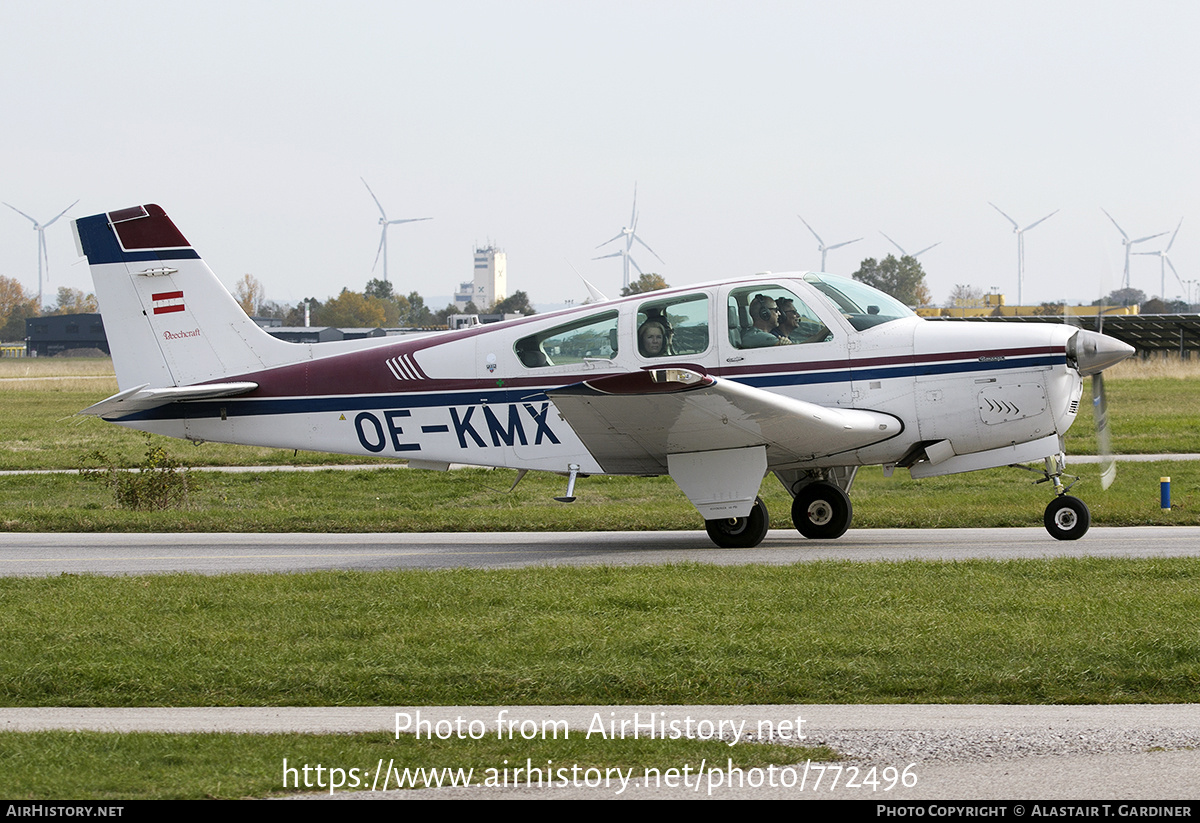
[1093, 352]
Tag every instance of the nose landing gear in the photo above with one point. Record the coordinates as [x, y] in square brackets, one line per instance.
[1067, 517]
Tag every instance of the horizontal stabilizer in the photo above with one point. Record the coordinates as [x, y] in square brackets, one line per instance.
[140, 398]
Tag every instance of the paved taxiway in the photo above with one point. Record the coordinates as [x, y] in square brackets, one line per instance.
[51, 554]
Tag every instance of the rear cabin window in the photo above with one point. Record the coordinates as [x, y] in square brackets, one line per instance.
[588, 338]
[673, 327]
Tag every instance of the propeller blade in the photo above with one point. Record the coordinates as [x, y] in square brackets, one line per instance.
[1108, 466]
[927, 248]
[408, 220]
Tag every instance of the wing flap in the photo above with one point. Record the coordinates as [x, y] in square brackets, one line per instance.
[631, 422]
[140, 398]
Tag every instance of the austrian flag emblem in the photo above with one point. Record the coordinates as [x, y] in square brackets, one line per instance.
[166, 302]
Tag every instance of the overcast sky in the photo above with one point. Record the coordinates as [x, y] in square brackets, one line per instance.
[527, 124]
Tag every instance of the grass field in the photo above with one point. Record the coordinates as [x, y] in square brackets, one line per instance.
[405, 500]
[1034, 631]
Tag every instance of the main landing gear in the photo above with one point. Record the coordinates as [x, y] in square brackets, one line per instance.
[821, 511]
[740, 532]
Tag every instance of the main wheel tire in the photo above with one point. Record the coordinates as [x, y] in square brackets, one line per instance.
[1067, 518]
[740, 532]
[821, 511]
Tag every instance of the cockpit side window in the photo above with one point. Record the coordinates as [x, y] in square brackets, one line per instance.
[588, 338]
[860, 304]
[768, 315]
[673, 327]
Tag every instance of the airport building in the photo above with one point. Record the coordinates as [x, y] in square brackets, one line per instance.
[490, 284]
[51, 334]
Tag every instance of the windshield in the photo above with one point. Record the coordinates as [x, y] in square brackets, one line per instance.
[862, 305]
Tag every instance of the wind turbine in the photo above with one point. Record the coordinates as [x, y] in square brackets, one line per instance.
[1125, 241]
[1163, 262]
[1020, 233]
[383, 221]
[40, 228]
[630, 235]
[913, 256]
[821, 247]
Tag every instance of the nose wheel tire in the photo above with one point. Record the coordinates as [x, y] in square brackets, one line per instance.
[1067, 518]
[740, 532]
[821, 511]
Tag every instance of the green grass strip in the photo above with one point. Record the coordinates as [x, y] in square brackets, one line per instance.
[404, 500]
[1025, 632]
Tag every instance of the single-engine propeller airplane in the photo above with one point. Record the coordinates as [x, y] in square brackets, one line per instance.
[807, 376]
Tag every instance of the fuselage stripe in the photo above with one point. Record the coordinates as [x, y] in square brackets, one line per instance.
[484, 393]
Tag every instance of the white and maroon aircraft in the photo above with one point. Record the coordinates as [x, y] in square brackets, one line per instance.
[705, 383]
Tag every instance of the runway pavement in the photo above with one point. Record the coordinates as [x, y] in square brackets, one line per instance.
[43, 554]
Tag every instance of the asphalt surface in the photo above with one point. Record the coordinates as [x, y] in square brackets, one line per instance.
[131, 554]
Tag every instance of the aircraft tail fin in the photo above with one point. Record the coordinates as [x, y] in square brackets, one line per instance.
[168, 319]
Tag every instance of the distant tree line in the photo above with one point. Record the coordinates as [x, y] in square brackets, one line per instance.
[376, 305]
[904, 279]
[17, 306]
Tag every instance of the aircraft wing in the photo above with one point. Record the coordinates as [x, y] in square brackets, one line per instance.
[140, 398]
[632, 422]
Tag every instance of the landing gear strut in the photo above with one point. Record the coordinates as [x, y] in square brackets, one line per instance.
[740, 532]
